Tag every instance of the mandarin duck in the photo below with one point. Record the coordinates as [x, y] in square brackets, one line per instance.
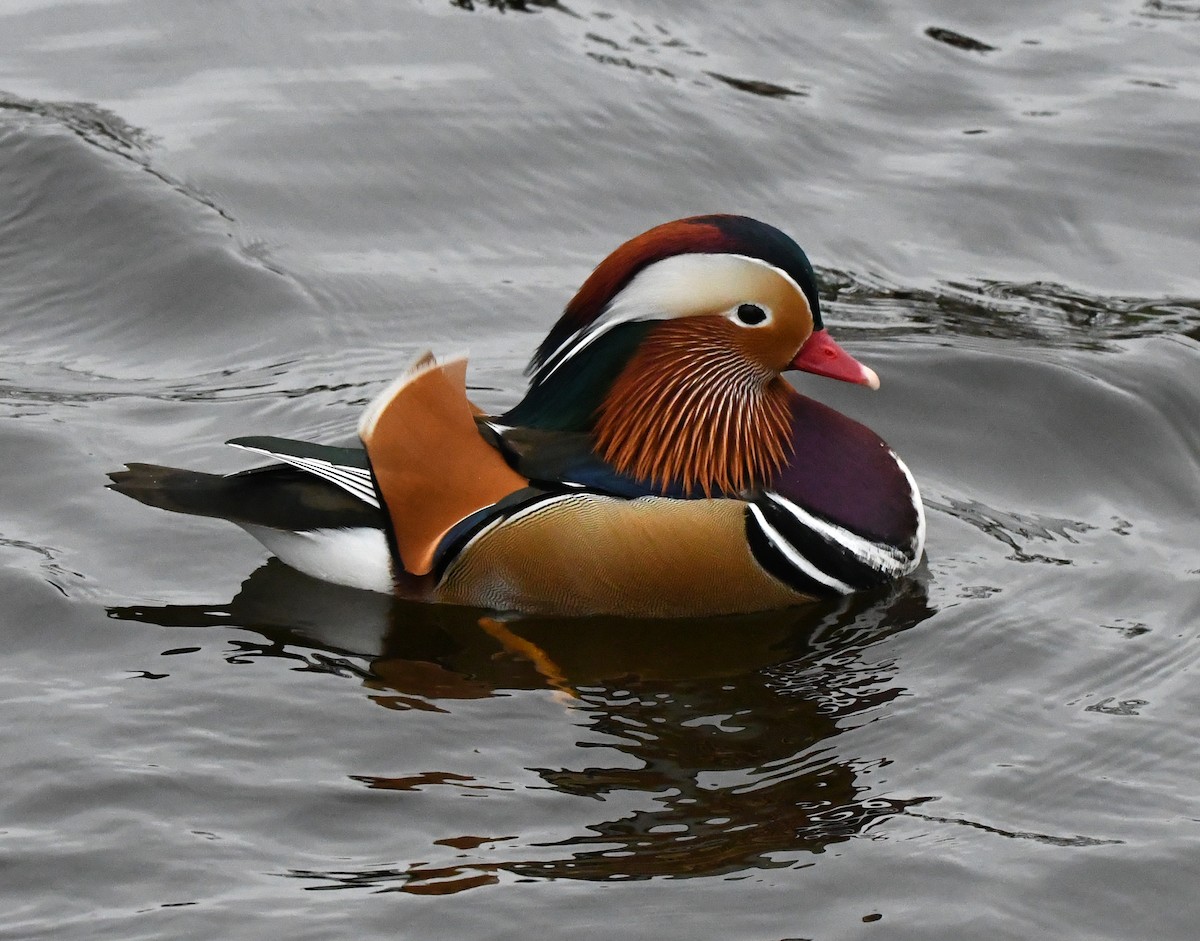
[659, 465]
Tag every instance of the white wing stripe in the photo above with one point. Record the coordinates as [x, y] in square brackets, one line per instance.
[356, 481]
[356, 478]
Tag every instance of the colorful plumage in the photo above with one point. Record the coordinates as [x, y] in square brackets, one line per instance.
[658, 465]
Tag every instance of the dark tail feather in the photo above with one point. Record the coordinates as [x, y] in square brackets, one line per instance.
[278, 497]
[172, 488]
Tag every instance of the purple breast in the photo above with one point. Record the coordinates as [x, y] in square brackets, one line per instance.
[844, 472]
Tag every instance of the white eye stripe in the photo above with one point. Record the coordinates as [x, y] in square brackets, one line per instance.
[664, 290]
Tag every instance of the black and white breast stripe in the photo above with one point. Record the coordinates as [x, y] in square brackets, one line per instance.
[815, 556]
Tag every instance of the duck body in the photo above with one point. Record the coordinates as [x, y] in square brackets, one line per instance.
[658, 465]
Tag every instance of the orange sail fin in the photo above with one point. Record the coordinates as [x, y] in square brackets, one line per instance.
[431, 465]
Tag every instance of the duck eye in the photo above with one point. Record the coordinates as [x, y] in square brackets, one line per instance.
[751, 314]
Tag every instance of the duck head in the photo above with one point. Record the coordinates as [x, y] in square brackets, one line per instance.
[670, 355]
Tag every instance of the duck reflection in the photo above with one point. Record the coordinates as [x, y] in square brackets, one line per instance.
[726, 725]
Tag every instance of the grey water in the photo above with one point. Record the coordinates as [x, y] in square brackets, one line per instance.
[244, 218]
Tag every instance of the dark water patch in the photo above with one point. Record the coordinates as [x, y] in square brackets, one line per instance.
[1170, 10]
[471, 842]
[1015, 530]
[957, 40]
[647, 49]
[1113, 707]
[418, 879]
[1047, 313]
[426, 779]
[627, 63]
[758, 87]
[1046, 838]
[1127, 629]
[519, 6]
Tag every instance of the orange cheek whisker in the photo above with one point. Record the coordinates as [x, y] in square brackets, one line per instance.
[692, 411]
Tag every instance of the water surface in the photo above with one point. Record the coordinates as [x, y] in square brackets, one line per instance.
[247, 218]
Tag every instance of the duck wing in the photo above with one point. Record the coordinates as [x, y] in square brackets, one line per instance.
[347, 468]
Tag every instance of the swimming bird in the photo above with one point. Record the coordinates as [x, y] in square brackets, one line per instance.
[658, 465]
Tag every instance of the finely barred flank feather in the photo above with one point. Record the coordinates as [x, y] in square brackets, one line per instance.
[692, 409]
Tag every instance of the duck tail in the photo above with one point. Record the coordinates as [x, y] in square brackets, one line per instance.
[172, 488]
[277, 497]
